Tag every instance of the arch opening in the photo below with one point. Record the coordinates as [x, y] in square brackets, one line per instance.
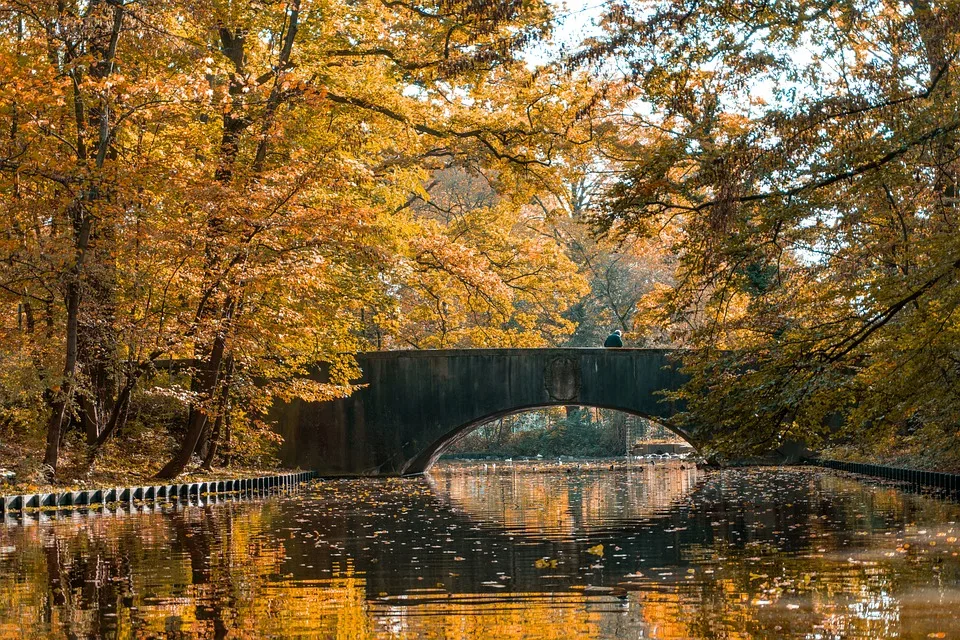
[422, 462]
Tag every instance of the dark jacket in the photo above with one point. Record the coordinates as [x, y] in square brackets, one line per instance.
[613, 340]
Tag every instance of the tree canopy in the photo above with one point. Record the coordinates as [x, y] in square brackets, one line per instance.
[232, 191]
[804, 156]
[231, 183]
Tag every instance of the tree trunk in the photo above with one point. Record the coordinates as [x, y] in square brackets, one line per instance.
[98, 344]
[77, 343]
[227, 440]
[60, 399]
[207, 379]
[235, 122]
[204, 383]
[222, 409]
[212, 445]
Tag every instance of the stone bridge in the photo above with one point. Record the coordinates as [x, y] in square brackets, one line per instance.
[417, 402]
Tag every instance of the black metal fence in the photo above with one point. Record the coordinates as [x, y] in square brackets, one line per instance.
[947, 481]
[19, 506]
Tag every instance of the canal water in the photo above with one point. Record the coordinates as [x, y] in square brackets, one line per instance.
[503, 551]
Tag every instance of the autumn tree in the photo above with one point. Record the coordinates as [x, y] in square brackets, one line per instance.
[355, 101]
[88, 125]
[480, 269]
[231, 185]
[623, 279]
[805, 153]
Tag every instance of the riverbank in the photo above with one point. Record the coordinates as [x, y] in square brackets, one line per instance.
[108, 479]
[941, 457]
[115, 468]
[947, 484]
[31, 504]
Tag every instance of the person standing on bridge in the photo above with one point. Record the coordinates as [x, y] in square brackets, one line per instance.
[614, 339]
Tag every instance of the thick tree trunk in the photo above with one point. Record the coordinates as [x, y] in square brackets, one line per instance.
[235, 123]
[51, 456]
[227, 440]
[195, 427]
[204, 383]
[98, 344]
[78, 344]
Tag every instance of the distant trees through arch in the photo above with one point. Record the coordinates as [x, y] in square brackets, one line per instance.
[561, 431]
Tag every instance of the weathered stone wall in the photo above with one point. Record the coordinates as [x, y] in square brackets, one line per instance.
[415, 402]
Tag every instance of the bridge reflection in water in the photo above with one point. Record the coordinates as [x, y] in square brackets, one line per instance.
[525, 499]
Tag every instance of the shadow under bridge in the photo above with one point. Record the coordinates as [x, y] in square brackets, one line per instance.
[416, 402]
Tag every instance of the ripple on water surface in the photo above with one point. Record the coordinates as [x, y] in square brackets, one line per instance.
[525, 551]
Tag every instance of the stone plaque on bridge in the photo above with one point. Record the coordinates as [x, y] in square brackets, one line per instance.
[562, 378]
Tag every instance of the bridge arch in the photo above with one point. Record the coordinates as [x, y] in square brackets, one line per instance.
[414, 402]
[426, 458]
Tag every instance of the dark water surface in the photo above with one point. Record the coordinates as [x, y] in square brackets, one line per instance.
[511, 552]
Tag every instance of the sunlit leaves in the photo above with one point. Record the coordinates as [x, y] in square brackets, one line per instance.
[806, 156]
[230, 182]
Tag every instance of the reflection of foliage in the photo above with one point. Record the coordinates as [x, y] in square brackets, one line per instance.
[739, 554]
[213, 570]
[587, 501]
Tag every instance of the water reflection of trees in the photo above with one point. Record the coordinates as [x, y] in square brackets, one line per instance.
[200, 572]
[529, 502]
[745, 554]
[838, 567]
[819, 555]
